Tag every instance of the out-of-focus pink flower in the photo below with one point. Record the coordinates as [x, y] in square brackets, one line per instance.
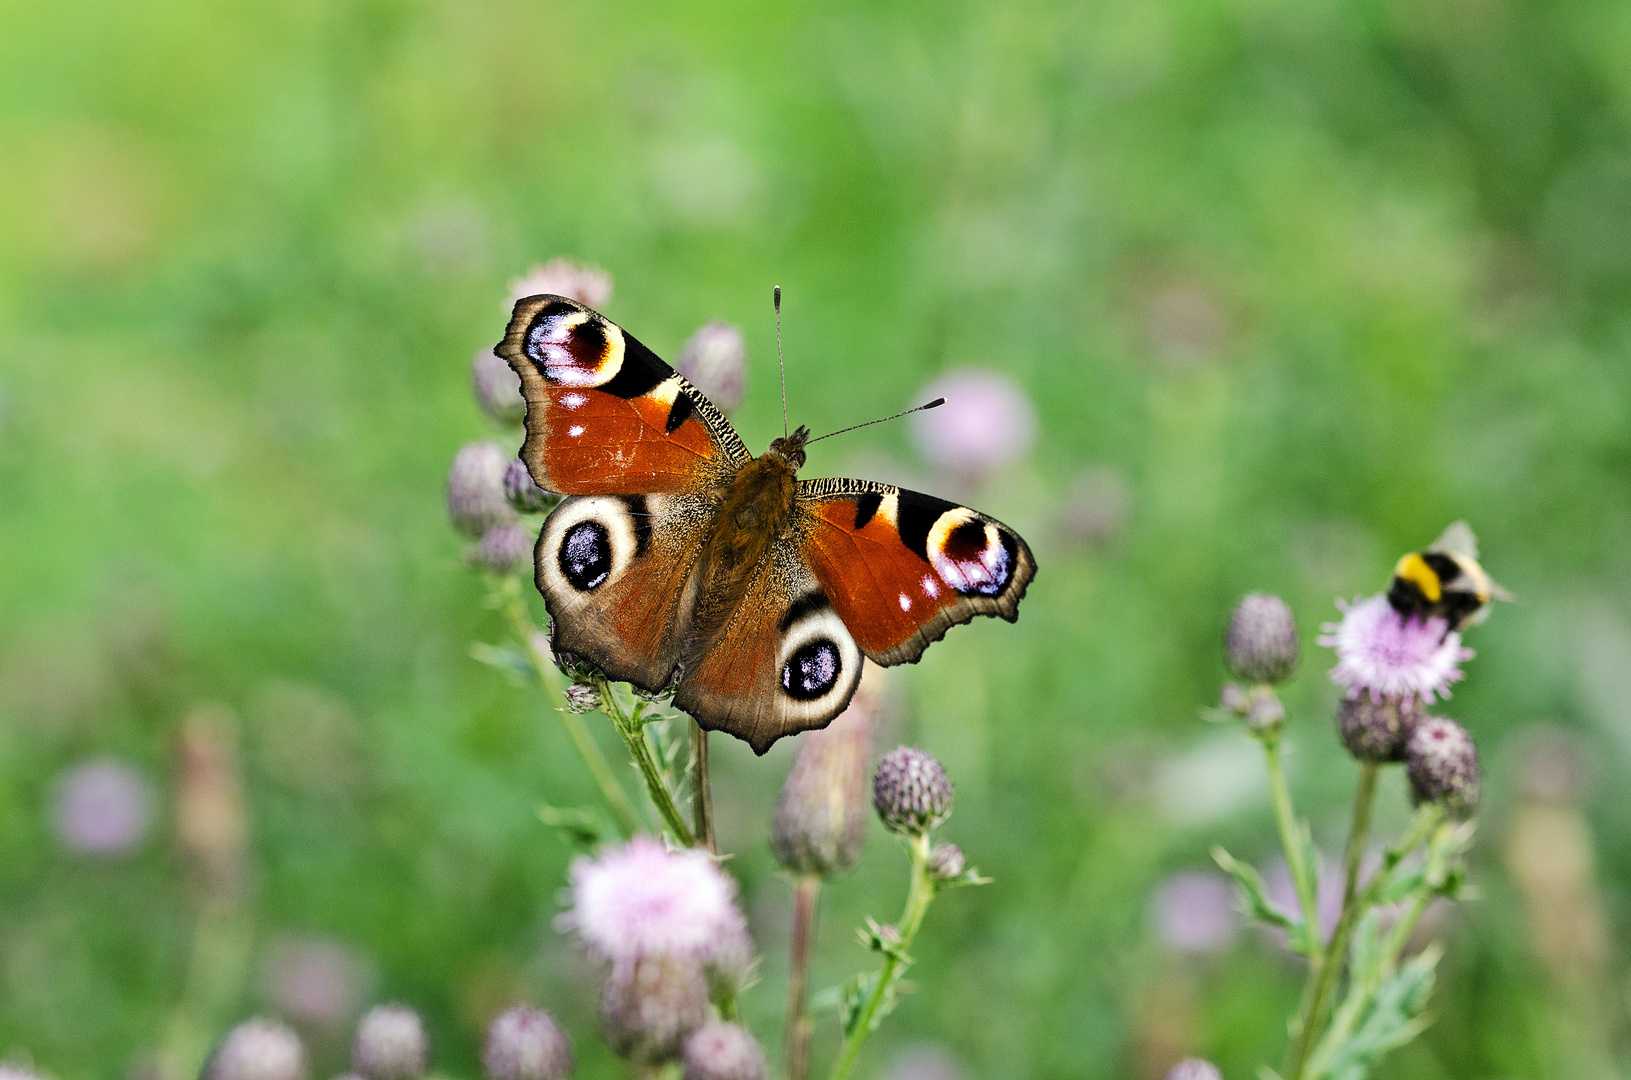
[588, 285]
[1095, 506]
[1387, 655]
[986, 423]
[314, 981]
[102, 808]
[475, 488]
[497, 388]
[925, 1061]
[1327, 894]
[1194, 912]
[715, 359]
[642, 900]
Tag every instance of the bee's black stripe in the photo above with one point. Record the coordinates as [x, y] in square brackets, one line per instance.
[640, 521]
[915, 515]
[865, 507]
[807, 604]
[679, 412]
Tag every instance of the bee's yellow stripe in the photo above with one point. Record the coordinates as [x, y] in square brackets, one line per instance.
[1414, 569]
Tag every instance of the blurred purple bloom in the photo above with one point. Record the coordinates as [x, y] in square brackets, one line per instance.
[1382, 652]
[497, 388]
[526, 1044]
[1194, 912]
[101, 808]
[643, 900]
[1194, 1069]
[391, 1044]
[715, 360]
[258, 1050]
[522, 492]
[924, 1061]
[475, 488]
[986, 423]
[1327, 894]
[505, 548]
[588, 285]
[314, 981]
[722, 1051]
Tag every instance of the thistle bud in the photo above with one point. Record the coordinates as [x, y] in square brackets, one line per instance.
[258, 1050]
[475, 488]
[1234, 699]
[721, 1051]
[504, 549]
[582, 697]
[820, 821]
[1194, 1069]
[526, 1044]
[715, 360]
[1377, 728]
[390, 1044]
[946, 862]
[1261, 645]
[1265, 711]
[1442, 765]
[522, 493]
[650, 1004]
[911, 791]
[497, 388]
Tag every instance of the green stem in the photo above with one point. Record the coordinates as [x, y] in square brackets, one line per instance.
[550, 678]
[797, 1030]
[1286, 819]
[1315, 1005]
[634, 736]
[703, 798]
[918, 896]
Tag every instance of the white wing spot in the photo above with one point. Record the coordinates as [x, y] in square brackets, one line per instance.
[573, 401]
[930, 586]
[575, 430]
[905, 602]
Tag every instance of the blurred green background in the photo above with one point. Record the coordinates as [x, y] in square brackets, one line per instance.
[1291, 286]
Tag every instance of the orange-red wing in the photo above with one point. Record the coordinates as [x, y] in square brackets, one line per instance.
[902, 568]
[605, 416]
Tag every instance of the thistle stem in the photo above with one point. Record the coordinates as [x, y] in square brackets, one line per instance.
[549, 677]
[1285, 819]
[918, 895]
[703, 798]
[798, 1028]
[635, 737]
[1313, 1014]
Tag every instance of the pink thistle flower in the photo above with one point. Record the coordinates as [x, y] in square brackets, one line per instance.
[987, 423]
[1383, 652]
[642, 900]
[588, 285]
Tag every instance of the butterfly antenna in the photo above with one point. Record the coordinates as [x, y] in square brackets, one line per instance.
[935, 404]
[779, 361]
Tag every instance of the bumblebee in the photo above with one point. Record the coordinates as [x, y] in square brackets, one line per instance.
[1445, 581]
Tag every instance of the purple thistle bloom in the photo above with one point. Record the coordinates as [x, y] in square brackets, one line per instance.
[475, 488]
[1194, 912]
[1382, 652]
[986, 423]
[390, 1044]
[523, 493]
[314, 981]
[526, 1044]
[497, 388]
[258, 1050]
[1194, 1069]
[642, 900]
[101, 809]
[715, 360]
[505, 548]
[588, 285]
[721, 1051]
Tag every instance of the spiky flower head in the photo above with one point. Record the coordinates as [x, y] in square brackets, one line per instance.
[258, 1050]
[1261, 645]
[497, 388]
[1376, 729]
[721, 1051]
[643, 900]
[1385, 654]
[1442, 765]
[582, 697]
[820, 821]
[504, 549]
[911, 792]
[523, 493]
[649, 1005]
[715, 360]
[526, 1044]
[946, 862]
[475, 489]
[588, 285]
[1194, 1069]
[390, 1044]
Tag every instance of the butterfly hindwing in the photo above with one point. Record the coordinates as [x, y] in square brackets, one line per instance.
[616, 574]
[604, 414]
[901, 568]
[784, 662]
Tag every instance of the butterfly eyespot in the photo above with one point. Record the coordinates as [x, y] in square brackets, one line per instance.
[812, 671]
[585, 555]
[971, 554]
[573, 347]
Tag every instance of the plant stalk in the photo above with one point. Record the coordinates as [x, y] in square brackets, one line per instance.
[798, 1028]
[1313, 1013]
[635, 737]
[918, 895]
[703, 798]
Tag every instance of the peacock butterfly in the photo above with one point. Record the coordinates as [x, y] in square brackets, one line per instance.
[681, 561]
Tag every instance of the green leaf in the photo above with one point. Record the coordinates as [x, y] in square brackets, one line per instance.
[1254, 901]
[852, 998]
[504, 658]
[1393, 1018]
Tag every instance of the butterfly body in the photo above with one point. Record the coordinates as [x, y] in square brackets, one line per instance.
[680, 561]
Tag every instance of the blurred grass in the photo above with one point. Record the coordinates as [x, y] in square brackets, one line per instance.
[246, 254]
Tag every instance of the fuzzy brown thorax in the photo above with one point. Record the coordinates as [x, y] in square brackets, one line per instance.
[756, 508]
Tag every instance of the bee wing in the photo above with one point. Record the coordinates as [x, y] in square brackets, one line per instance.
[1498, 593]
[1458, 539]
